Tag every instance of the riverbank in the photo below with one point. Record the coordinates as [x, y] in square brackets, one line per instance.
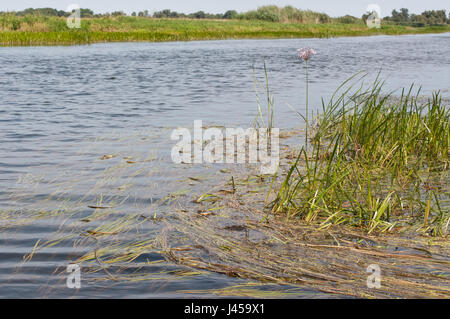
[53, 31]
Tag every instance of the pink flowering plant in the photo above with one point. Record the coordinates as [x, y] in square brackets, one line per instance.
[305, 54]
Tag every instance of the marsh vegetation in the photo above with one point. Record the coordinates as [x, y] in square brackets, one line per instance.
[373, 188]
[48, 26]
[375, 162]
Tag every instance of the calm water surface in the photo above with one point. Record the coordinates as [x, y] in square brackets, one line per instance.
[63, 108]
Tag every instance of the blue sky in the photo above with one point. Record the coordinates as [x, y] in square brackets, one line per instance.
[332, 7]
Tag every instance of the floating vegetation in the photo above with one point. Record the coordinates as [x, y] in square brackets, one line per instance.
[207, 198]
[243, 240]
[260, 291]
[107, 157]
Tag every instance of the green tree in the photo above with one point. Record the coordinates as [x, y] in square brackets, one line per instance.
[230, 14]
[435, 17]
[86, 13]
[198, 15]
[118, 13]
[418, 20]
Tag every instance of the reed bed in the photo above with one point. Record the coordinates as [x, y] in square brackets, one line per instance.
[376, 162]
[36, 30]
[372, 190]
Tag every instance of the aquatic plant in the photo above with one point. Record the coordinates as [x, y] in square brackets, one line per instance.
[306, 54]
[259, 120]
[377, 162]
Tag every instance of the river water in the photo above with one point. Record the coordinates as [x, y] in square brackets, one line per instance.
[62, 109]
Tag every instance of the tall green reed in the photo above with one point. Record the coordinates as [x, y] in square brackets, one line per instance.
[376, 161]
[269, 98]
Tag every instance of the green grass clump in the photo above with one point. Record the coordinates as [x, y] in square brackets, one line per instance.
[376, 162]
[286, 14]
[47, 30]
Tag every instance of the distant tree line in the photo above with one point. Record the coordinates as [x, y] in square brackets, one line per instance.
[196, 15]
[426, 18]
[50, 12]
[264, 13]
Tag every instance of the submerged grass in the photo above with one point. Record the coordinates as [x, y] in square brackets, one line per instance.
[241, 241]
[376, 162]
[36, 30]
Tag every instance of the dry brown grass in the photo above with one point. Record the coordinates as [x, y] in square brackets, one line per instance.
[239, 240]
[232, 233]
